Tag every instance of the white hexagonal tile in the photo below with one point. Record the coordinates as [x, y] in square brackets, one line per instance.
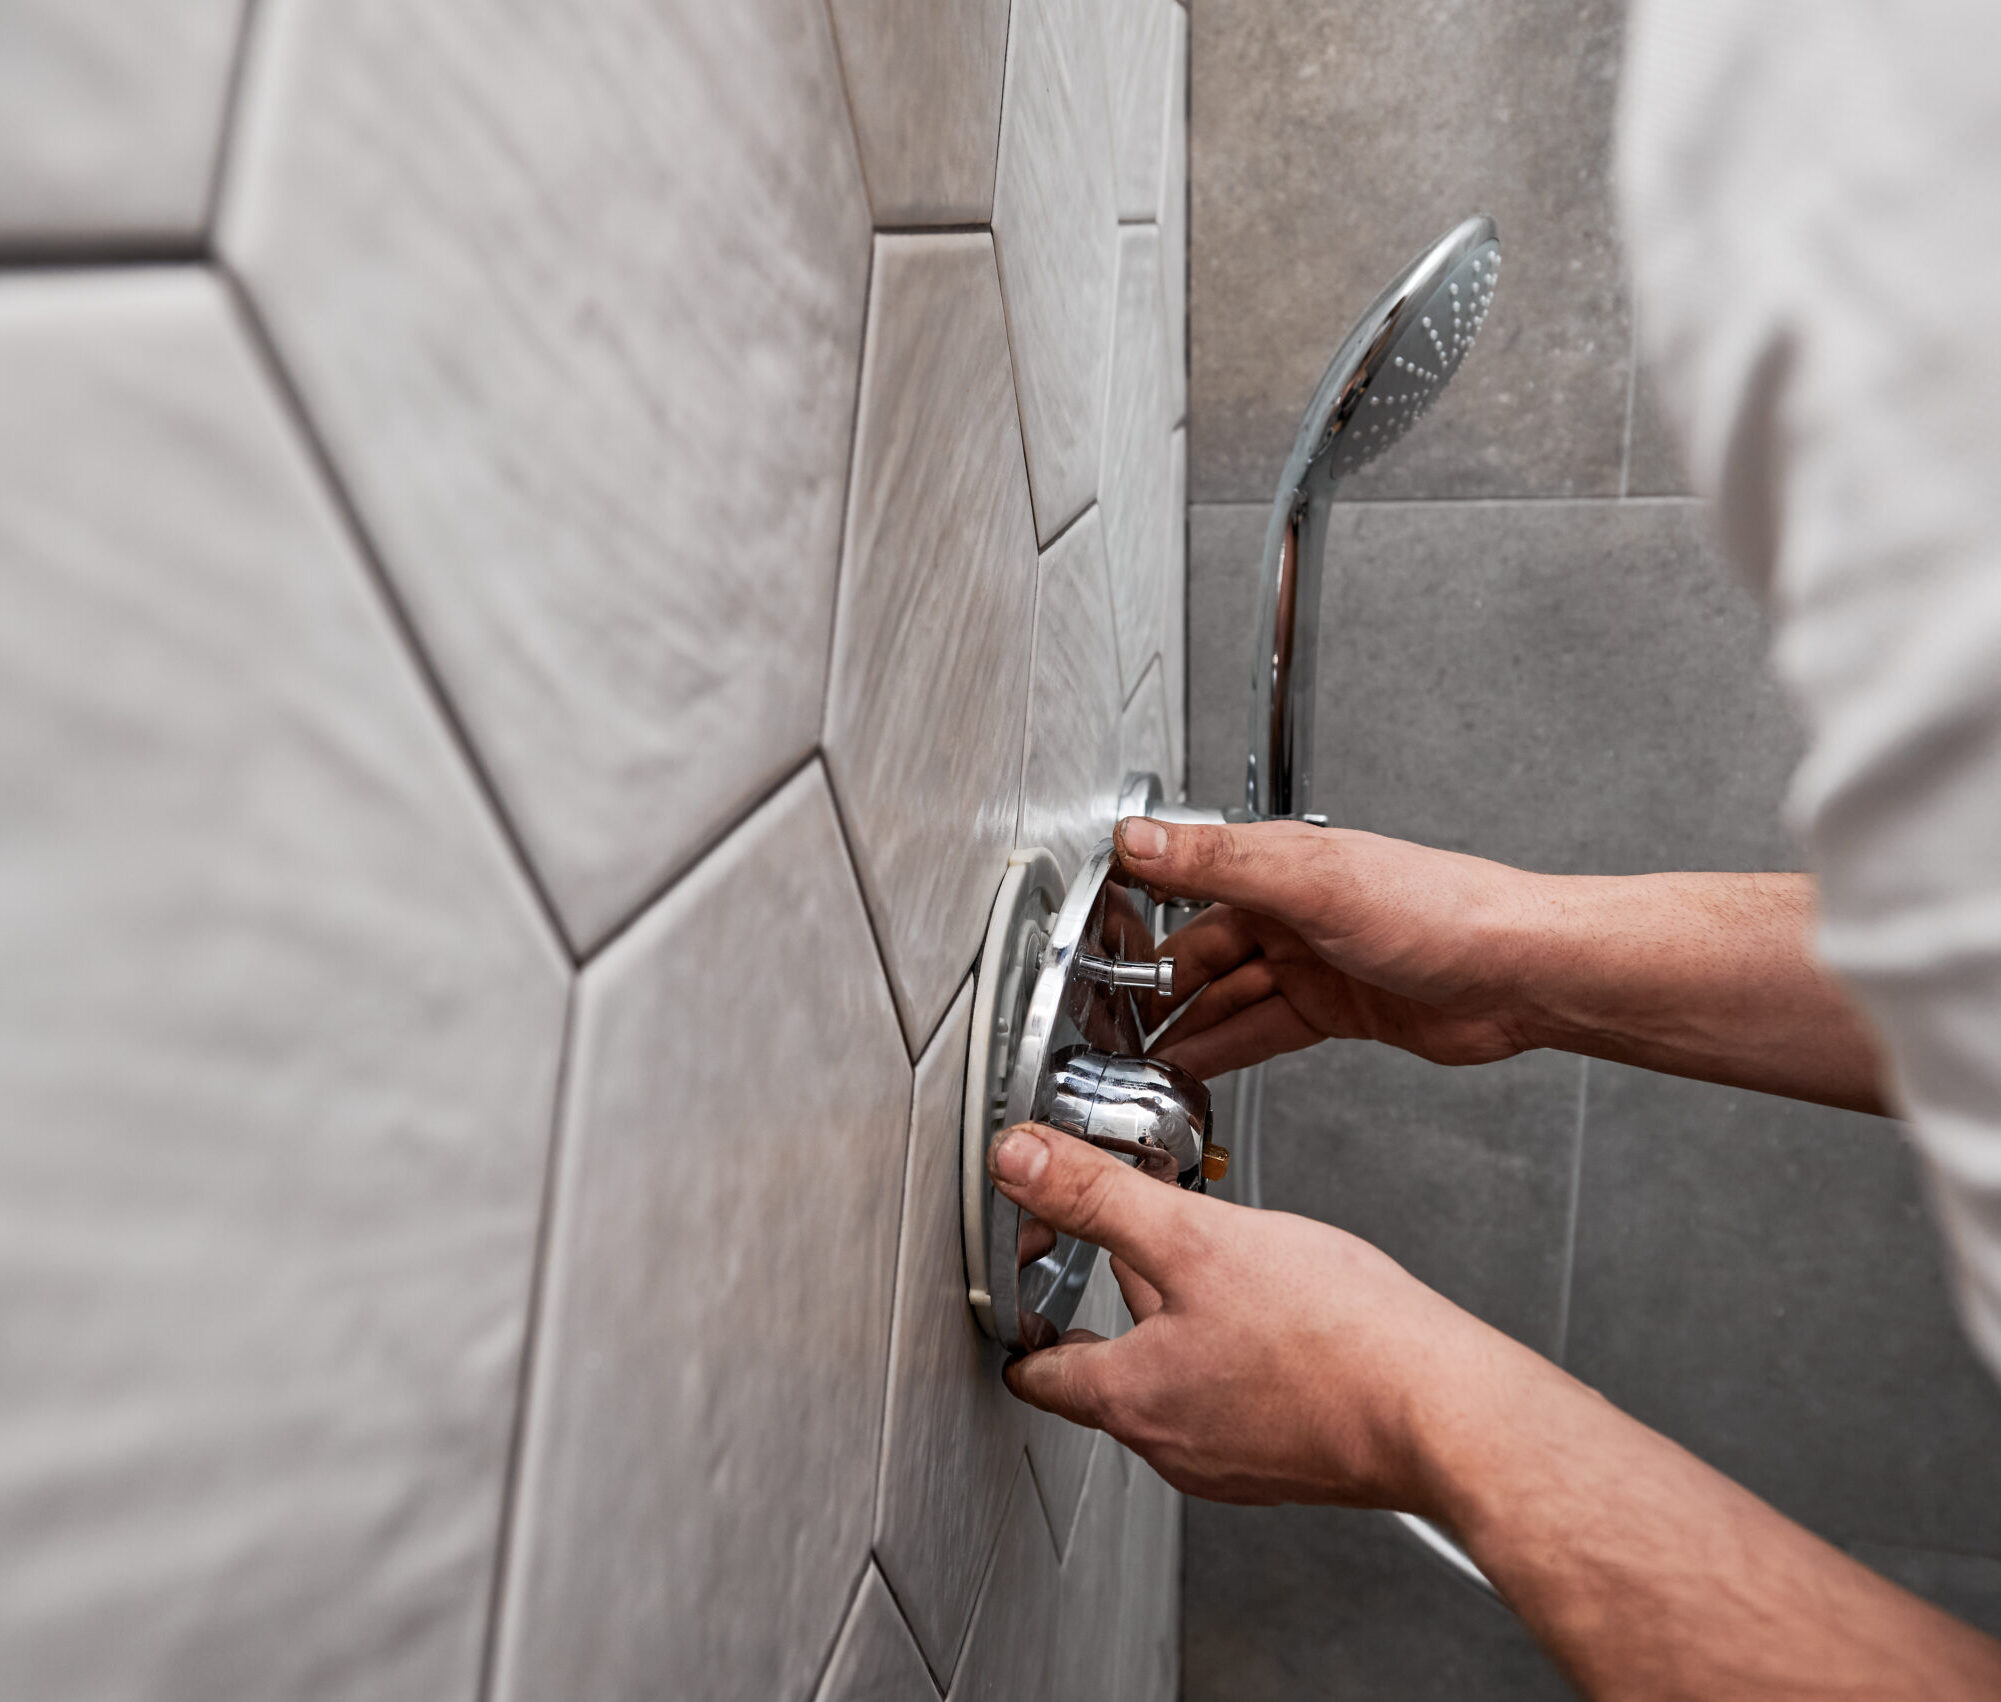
[700, 1454]
[1070, 769]
[1139, 50]
[924, 83]
[1056, 225]
[1174, 650]
[876, 1659]
[932, 640]
[588, 372]
[1150, 1620]
[953, 1435]
[1089, 1638]
[1146, 736]
[110, 116]
[1009, 1649]
[1174, 220]
[279, 1038]
[1060, 1451]
[1138, 483]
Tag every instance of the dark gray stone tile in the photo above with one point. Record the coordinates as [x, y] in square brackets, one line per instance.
[1328, 144]
[1461, 1175]
[1286, 1603]
[1759, 1279]
[1653, 455]
[1575, 687]
[1965, 1585]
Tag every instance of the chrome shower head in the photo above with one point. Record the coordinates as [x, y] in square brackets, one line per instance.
[1392, 364]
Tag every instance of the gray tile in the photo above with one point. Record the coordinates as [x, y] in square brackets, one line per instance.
[1139, 59]
[1137, 484]
[953, 1435]
[1146, 739]
[1967, 1586]
[110, 117]
[1008, 1654]
[1059, 1452]
[1461, 1175]
[932, 640]
[1332, 142]
[875, 1659]
[279, 1035]
[1071, 768]
[699, 1461]
[1576, 687]
[1090, 1632]
[924, 84]
[1759, 1279]
[1056, 226]
[1653, 452]
[1174, 221]
[1289, 1602]
[514, 277]
[1151, 1618]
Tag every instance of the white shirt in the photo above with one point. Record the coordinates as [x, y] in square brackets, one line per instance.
[1813, 207]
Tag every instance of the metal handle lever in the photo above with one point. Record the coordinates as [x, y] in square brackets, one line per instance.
[1155, 977]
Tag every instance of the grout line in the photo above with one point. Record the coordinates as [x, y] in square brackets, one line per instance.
[847, 1612]
[1263, 505]
[1064, 531]
[1000, 107]
[99, 254]
[1139, 224]
[531, 1337]
[232, 108]
[697, 855]
[903, 1613]
[957, 227]
[847, 497]
[265, 352]
[916, 1049]
[1570, 1219]
[1632, 385]
[848, 105]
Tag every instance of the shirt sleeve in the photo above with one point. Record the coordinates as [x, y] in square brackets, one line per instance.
[1812, 195]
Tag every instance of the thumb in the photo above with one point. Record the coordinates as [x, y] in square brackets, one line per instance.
[1073, 1187]
[1075, 1379]
[1260, 866]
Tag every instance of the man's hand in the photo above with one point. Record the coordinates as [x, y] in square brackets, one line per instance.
[1321, 932]
[1273, 1358]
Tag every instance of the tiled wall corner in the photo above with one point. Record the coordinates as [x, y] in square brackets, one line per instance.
[530, 644]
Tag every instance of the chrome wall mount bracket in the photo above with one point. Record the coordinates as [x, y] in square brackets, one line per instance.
[1059, 1037]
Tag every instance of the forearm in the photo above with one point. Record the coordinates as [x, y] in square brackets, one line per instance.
[1704, 975]
[1649, 1576]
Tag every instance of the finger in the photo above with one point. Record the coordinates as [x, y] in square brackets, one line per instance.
[1141, 1297]
[1247, 985]
[1076, 1379]
[1266, 866]
[1081, 1191]
[1250, 1037]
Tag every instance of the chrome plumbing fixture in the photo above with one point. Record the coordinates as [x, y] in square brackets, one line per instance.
[1400, 354]
[1058, 1038]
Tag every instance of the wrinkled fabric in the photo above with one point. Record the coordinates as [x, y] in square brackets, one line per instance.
[1812, 194]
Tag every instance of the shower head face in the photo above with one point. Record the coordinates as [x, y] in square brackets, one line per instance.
[1400, 355]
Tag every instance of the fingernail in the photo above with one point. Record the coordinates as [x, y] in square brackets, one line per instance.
[1142, 838]
[1019, 1158]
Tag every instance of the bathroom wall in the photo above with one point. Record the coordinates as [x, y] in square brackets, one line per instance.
[550, 553]
[1530, 652]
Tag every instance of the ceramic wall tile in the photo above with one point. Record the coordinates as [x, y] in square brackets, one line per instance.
[1174, 220]
[110, 118]
[1055, 222]
[1009, 1651]
[932, 639]
[1145, 736]
[953, 1435]
[701, 1441]
[876, 1659]
[1060, 1451]
[1150, 1662]
[1071, 769]
[1139, 55]
[1138, 478]
[924, 84]
[574, 295]
[279, 1036]
[1089, 1630]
